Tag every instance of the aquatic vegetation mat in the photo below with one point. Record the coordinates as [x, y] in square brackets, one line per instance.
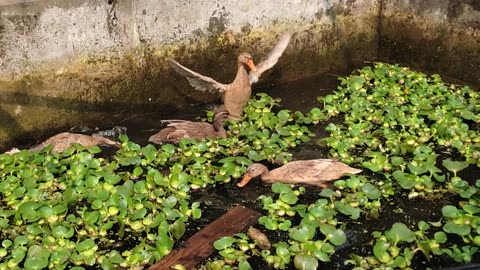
[412, 134]
[77, 210]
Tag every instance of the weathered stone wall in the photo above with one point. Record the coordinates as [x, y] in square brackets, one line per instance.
[65, 63]
[440, 36]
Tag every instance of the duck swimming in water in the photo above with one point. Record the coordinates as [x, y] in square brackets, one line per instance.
[178, 129]
[65, 140]
[311, 172]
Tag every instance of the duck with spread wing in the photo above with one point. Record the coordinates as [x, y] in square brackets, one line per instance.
[237, 93]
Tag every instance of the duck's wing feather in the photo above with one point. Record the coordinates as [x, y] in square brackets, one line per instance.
[271, 59]
[197, 80]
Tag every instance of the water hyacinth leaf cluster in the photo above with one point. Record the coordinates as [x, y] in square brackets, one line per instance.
[414, 133]
[76, 209]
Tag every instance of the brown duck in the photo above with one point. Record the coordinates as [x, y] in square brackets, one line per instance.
[65, 140]
[311, 172]
[178, 129]
[237, 93]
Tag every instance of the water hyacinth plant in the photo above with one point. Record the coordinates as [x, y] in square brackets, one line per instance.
[77, 210]
[412, 134]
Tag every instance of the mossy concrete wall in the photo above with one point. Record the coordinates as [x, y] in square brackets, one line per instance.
[78, 62]
[85, 62]
[440, 36]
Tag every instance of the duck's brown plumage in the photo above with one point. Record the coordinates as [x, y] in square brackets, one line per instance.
[65, 140]
[237, 93]
[178, 129]
[312, 172]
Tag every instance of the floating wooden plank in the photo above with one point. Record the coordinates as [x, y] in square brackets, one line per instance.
[200, 246]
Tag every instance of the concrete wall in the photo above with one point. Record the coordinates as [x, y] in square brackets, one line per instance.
[435, 35]
[65, 63]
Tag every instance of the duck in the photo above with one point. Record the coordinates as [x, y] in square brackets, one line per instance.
[178, 129]
[64, 140]
[311, 172]
[237, 93]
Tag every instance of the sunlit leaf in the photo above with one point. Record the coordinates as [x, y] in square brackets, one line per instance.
[224, 242]
[380, 251]
[460, 229]
[454, 166]
[305, 262]
[334, 235]
[371, 191]
[400, 233]
[303, 233]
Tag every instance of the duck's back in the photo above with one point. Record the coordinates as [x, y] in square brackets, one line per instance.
[65, 140]
[313, 172]
[175, 131]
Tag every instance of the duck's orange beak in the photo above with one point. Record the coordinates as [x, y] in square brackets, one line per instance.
[245, 180]
[251, 65]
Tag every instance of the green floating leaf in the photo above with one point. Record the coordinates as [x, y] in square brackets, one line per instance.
[371, 191]
[441, 237]
[21, 241]
[460, 229]
[244, 265]
[471, 209]
[60, 255]
[28, 211]
[305, 262]
[450, 211]
[346, 209]
[62, 232]
[178, 229]
[85, 244]
[285, 225]
[34, 229]
[289, 198]
[281, 188]
[253, 155]
[380, 250]
[94, 149]
[327, 192]
[303, 233]
[334, 235]
[400, 233]
[356, 81]
[138, 171]
[224, 243]
[37, 257]
[454, 166]
[406, 181]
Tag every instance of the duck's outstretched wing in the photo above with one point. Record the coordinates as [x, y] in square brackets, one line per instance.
[271, 59]
[197, 80]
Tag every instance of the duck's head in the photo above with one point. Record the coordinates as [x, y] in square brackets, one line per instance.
[246, 58]
[254, 170]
